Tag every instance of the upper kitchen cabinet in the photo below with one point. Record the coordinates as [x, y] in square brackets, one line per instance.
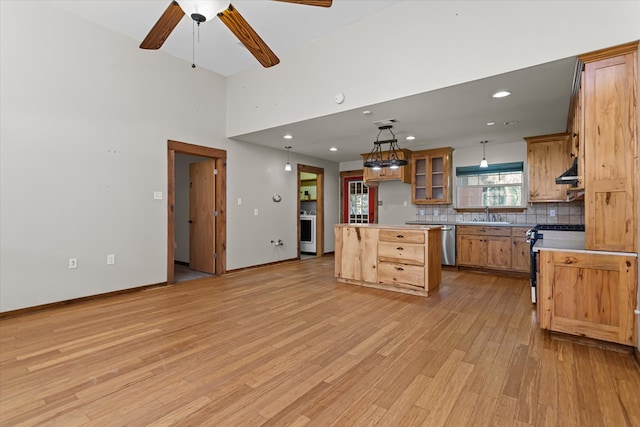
[402, 173]
[611, 148]
[431, 179]
[548, 156]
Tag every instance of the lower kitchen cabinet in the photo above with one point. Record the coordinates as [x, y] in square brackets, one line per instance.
[589, 294]
[484, 246]
[520, 250]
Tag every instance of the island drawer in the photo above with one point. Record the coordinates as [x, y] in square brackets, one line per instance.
[408, 236]
[401, 252]
[401, 274]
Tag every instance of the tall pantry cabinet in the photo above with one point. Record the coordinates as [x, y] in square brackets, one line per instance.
[611, 148]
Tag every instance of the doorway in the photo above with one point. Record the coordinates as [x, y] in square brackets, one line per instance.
[214, 232]
[358, 202]
[310, 211]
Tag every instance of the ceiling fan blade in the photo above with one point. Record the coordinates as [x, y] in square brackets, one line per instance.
[321, 3]
[247, 35]
[165, 25]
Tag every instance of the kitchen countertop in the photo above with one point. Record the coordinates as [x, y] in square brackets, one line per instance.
[572, 246]
[485, 224]
[423, 226]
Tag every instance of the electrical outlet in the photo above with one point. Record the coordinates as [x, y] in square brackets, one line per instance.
[157, 195]
[436, 212]
[73, 263]
[239, 201]
[255, 212]
[111, 259]
[552, 212]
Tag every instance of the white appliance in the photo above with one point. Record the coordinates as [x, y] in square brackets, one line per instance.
[308, 233]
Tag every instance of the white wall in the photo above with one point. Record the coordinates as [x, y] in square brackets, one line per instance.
[86, 116]
[418, 46]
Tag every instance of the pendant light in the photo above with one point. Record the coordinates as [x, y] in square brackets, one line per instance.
[483, 162]
[377, 160]
[287, 167]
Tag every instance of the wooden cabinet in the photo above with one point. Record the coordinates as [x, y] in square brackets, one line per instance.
[576, 127]
[403, 173]
[520, 250]
[548, 156]
[356, 253]
[589, 294]
[484, 246]
[401, 259]
[431, 179]
[611, 149]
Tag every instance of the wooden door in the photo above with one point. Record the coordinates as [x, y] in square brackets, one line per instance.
[548, 157]
[472, 250]
[611, 151]
[498, 252]
[589, 294]
[520, 254]
[201, 216]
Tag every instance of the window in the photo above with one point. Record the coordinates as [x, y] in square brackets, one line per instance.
[499, 185]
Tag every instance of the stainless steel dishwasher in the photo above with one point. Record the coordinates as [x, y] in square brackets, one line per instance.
[448, 244]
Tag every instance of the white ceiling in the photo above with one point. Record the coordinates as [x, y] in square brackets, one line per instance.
[454, 116]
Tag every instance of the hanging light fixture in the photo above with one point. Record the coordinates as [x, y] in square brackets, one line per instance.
[287, 167]
[377, 159]
[483, 162]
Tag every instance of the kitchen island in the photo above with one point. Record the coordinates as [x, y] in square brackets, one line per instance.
[401, 258]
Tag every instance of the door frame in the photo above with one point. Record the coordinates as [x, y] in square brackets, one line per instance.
[220, 157]
[349, 174]
[319, 206]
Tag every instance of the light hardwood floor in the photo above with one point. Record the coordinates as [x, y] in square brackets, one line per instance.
[288, 345]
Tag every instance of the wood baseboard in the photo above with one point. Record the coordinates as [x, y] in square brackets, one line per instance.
[592, 342]
[29, 310]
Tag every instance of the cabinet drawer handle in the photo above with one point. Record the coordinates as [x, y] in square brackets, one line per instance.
[400, 248]
[399, 268]
[400, 236]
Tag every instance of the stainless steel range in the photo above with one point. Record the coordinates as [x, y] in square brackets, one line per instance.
[551, 236]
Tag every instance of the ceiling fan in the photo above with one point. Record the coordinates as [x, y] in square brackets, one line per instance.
[204, 10]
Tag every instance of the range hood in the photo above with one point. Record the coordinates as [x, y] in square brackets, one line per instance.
[570, 176]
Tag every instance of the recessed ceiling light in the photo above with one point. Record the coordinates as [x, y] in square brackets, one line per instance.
[333, 149]
[515, 122]
[501, 94]
[491, 123]
[410, 138]
[287, 136]
[366, 112]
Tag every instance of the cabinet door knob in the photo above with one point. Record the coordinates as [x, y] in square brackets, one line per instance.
[400, 248]
[399, 268]
[400, 236]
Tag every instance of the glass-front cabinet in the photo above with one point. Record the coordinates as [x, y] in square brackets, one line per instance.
[431, 179]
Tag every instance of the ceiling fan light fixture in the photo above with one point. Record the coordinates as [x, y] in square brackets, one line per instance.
[199, 9]
[377, 160]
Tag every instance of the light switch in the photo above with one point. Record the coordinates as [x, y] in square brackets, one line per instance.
[239, 201]
[255, 212]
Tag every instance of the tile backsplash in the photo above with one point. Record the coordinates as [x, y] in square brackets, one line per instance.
[538, 213]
